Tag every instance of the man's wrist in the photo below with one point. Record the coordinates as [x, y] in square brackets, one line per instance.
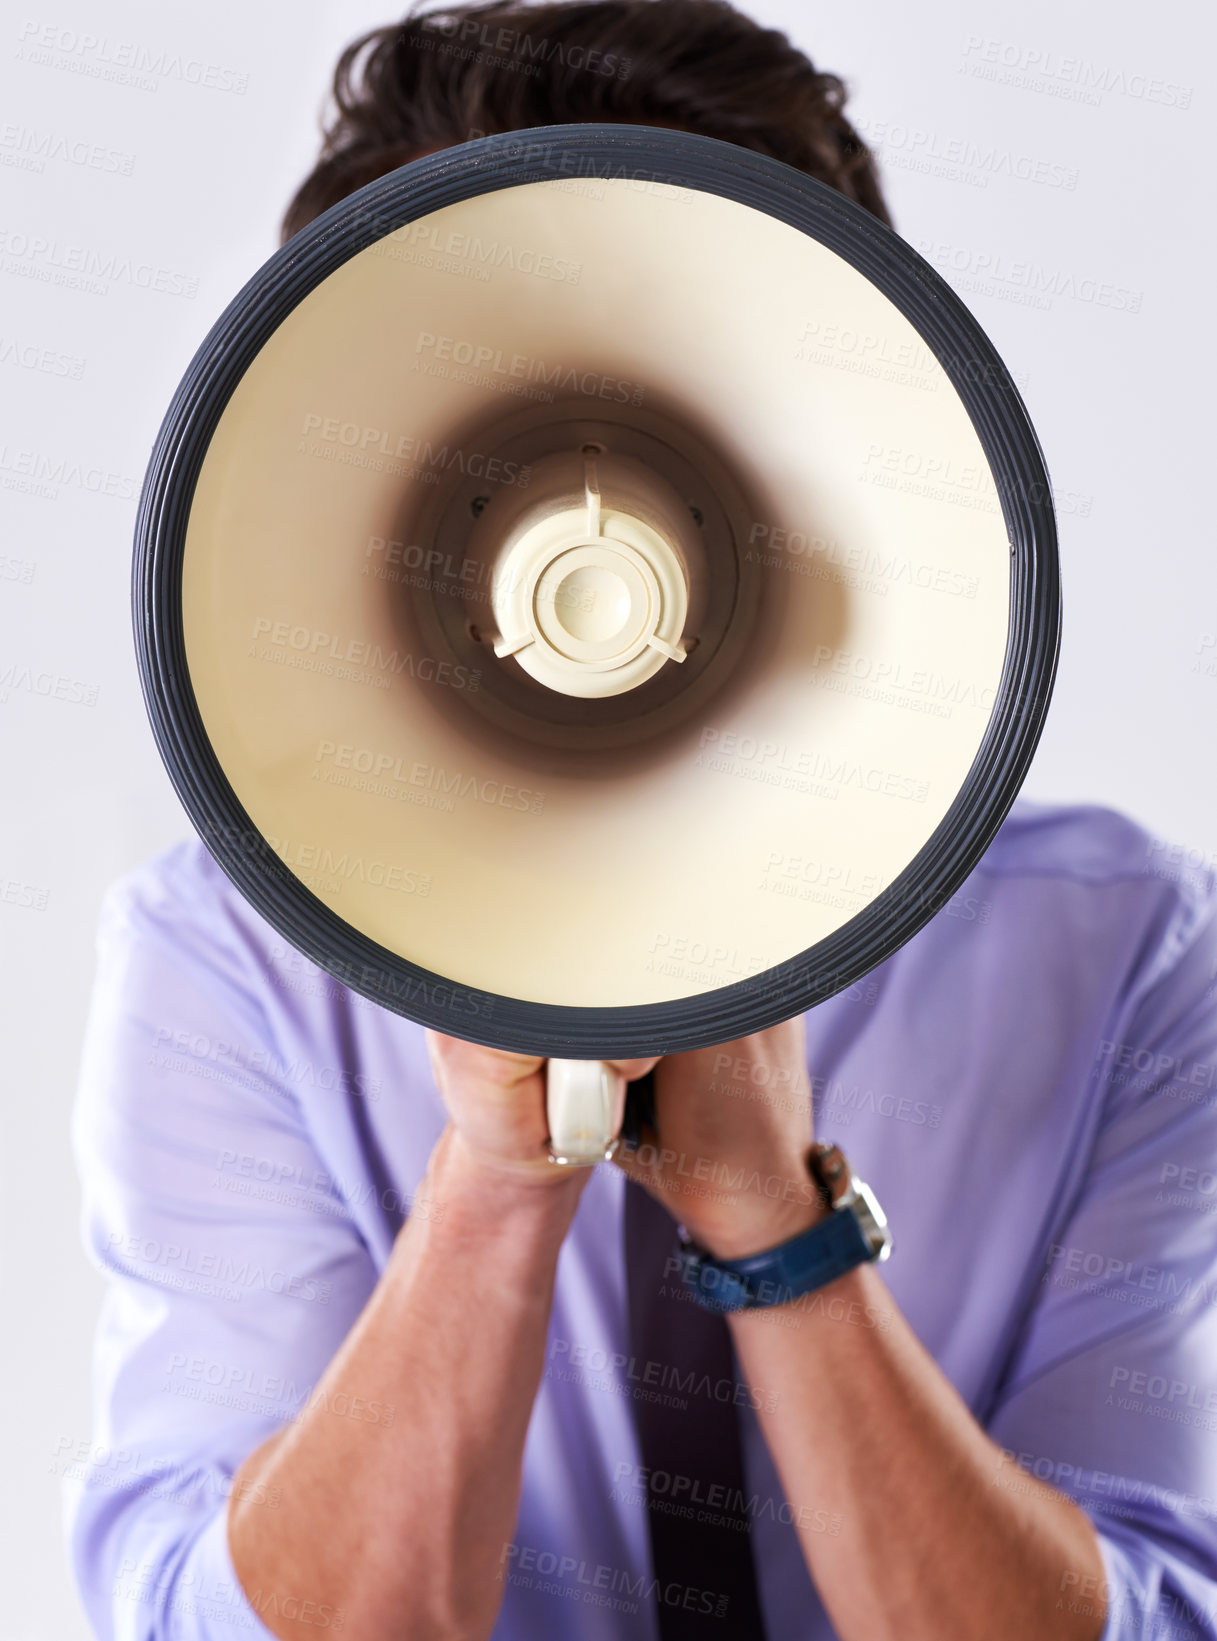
[859, 1298]
[481, 1237]
[478, 1188]
[756, 1233]
[849, 1230]
[788, 1202]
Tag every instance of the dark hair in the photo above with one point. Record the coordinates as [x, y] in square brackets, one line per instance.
[442, 76]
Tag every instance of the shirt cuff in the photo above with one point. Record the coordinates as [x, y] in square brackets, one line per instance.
[1151, 1595]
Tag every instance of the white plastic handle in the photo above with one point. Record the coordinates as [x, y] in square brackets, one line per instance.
[585, 1100]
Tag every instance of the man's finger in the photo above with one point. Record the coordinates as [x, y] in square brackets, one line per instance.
[631, 1070]
[498, 1068]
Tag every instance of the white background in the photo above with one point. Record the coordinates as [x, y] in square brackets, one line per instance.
[1060, 149]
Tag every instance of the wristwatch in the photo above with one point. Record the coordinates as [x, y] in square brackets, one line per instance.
[854, 1232]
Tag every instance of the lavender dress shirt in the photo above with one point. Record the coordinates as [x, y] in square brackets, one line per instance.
[1030, 1086]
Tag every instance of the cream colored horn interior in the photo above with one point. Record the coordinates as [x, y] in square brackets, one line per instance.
[609, 859]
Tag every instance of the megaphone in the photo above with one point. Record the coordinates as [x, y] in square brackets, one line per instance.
[596, 594]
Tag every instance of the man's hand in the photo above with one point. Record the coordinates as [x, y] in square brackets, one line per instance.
[734, 1128]
[497, 1104]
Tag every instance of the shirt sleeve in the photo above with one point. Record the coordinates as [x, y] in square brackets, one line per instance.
[1111, 1393]
[211, 1289]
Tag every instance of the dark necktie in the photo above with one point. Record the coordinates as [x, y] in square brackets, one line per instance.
[696, 1498]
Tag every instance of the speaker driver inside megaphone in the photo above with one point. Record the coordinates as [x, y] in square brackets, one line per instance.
[604, 597]
[597, 616]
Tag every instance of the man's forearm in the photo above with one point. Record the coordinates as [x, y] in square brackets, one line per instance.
[862, 1422]
[402, 1526]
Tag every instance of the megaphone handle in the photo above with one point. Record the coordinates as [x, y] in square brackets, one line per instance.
[585, 1102]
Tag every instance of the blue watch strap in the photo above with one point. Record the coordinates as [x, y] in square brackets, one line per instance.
[777, 1275]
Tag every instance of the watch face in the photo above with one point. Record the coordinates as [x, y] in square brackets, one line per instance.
[872, 1219]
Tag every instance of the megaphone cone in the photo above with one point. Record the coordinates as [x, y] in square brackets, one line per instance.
[596, 591]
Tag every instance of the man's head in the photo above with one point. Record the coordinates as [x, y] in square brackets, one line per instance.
[443, 76]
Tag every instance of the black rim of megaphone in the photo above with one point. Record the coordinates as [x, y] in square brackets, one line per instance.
[650, 159]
